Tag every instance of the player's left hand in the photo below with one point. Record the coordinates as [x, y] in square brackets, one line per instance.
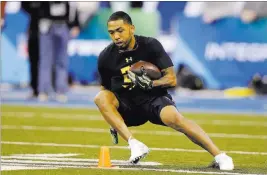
[143, 81]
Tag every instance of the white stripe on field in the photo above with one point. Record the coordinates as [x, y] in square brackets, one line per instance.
[71, 163]
[124, 147]
[42, 162]
[147, 132]
[177, 171]
[55, 115]
[231, 122]
[13, 158]
[67, 116]
[237, 112]
[22, 166]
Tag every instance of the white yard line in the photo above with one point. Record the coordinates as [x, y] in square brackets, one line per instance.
[231, 122]
[22, 165]
[146, 132]
[122, 147]
[54, 115]
[92, 106]
[7, 167]
[59, 160]
[67, 116]
[178, 171]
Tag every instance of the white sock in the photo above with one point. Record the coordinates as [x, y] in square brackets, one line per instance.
[130, 139]
[218, 156]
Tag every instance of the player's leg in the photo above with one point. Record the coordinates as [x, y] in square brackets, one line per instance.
[45, 63]
[164, 112]
[33, 49]
[172, 118]
[61, 62]
[108, 105]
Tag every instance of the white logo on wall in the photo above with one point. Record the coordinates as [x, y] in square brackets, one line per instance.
[94, 47]
[86, 48]
[229, 51]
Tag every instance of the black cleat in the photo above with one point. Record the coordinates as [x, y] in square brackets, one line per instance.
[114, 136]
[137, 159]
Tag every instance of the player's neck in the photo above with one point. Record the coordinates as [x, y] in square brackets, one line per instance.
[132, 44]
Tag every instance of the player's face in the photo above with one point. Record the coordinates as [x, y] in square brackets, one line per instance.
[121, 33]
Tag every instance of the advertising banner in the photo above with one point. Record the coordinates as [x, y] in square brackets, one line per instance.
[224, 54]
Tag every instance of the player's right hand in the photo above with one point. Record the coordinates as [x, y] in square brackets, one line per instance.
[143, 81]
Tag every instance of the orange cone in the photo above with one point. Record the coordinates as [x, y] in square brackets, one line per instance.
[104, 157]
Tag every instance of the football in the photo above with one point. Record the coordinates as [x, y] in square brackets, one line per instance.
[151, 70]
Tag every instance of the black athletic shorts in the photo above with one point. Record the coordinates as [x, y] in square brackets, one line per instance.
[136, 115]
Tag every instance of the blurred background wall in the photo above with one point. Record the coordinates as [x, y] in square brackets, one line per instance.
[214, 45]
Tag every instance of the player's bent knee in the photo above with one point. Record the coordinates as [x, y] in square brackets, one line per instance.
[104, 98]
[171, 117]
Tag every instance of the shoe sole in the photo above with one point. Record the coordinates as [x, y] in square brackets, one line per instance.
[137, 159]
[215, 165]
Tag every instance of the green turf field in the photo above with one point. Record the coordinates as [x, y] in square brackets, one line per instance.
[54, 141]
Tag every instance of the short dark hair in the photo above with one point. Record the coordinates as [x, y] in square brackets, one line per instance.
[120, 15]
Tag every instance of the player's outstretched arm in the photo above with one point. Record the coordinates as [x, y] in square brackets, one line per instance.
[168, 79]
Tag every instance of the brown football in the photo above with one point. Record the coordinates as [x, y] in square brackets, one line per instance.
[151, 70]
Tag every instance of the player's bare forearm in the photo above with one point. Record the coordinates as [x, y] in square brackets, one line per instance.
[168, 79]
